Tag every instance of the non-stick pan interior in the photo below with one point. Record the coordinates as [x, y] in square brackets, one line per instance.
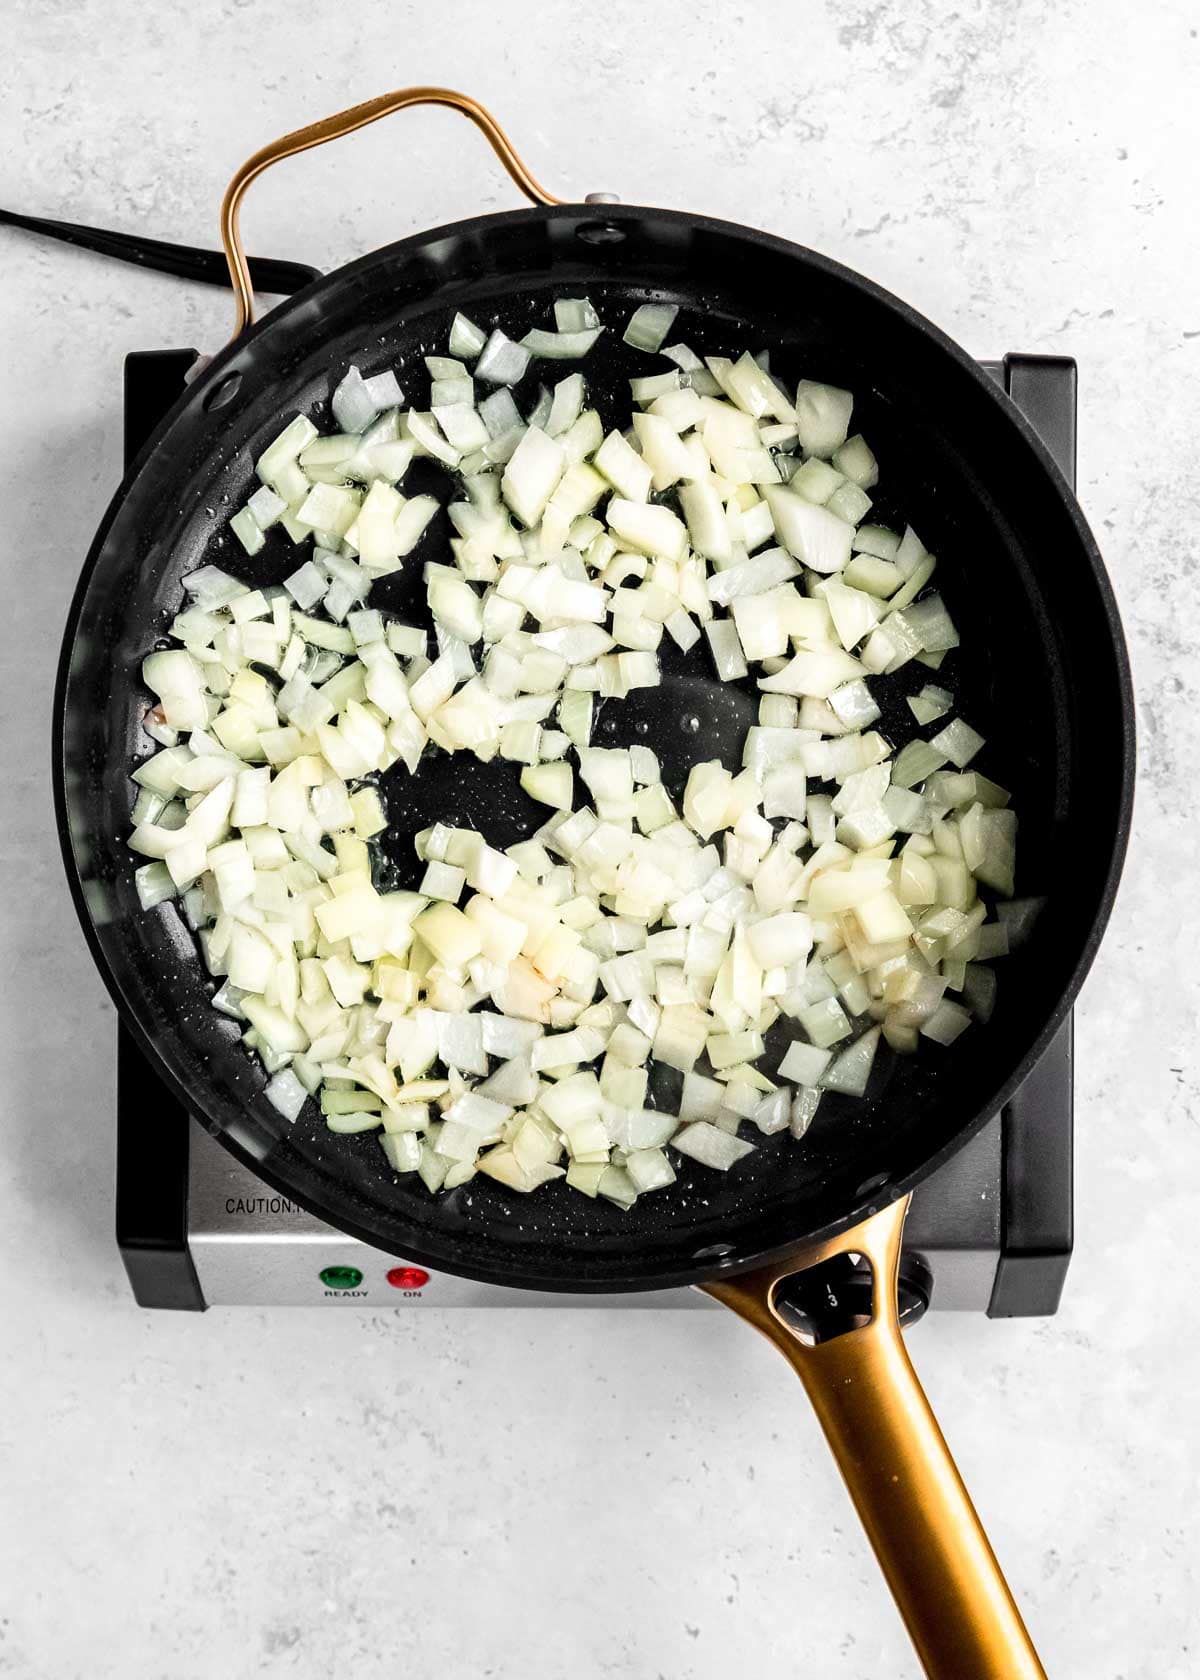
[1040, 674]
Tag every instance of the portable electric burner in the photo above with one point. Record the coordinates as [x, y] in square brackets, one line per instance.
[991, 1231]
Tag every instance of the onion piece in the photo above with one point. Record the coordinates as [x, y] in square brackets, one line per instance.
[816, 537]
[753, 576]
[354, 406]
[804, 1108]
[575, 315]
[501, 362]
[560, 346]
[712, 1147]
[855, 461]
[285, 1093]
[959, 742]
[930, 704]
[822, 417]
[466, 339]
[726, 649]
[649, 325]
[851, 1071]
[947, 1022]
[566, 405]
[532, 475]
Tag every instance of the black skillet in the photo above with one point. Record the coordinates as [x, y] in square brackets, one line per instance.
[1042, 673]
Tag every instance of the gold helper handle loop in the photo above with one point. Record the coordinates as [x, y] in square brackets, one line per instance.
[905, 1486]
[332, 128]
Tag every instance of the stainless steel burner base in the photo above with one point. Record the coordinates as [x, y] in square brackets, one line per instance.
[252, 1247]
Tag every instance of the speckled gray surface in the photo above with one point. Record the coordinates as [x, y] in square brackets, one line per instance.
[545, 1493]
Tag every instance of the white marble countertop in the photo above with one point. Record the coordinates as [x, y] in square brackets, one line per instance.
[531, 1495]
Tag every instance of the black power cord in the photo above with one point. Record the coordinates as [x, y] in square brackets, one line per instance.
[187, 262]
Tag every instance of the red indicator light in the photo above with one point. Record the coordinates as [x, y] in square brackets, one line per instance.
[407, 1277]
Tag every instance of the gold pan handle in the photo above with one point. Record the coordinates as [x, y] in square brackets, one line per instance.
[905, 1486]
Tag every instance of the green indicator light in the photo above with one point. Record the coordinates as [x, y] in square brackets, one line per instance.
[341, 1277]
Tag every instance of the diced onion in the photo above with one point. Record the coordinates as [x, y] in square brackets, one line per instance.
[710, 1146]
[501, 362]
[466, 339]
[502, 1018]
[649, 325]
[560, 346]
[354, 406]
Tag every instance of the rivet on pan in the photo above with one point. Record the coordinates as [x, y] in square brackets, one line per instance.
[223, 392]
[716, 1251]
[602, 198]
